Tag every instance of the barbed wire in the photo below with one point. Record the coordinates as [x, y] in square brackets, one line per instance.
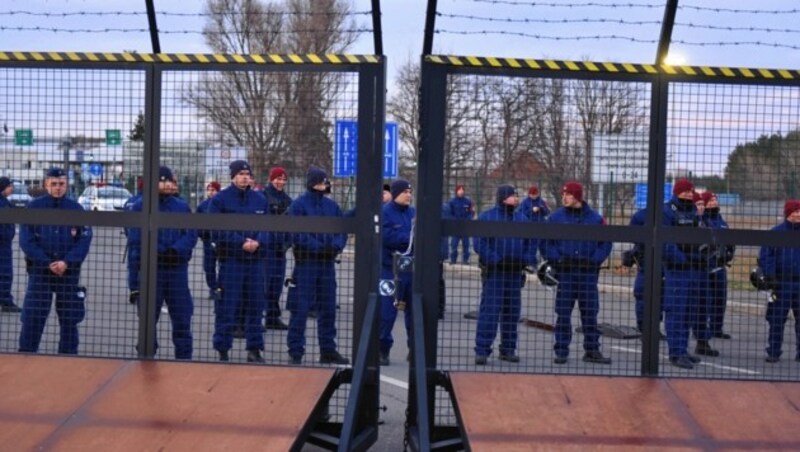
[619, 38]
[177, 14]
[612, 21]
[147, 30]
[591, 4]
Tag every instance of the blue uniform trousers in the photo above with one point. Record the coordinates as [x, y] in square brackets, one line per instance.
[389, 311]
[454, 248]
[500, 303]
[6, 274]
[315, 286]
[133, 275]
[70, 308]
[276, 271]
[680, 290]
[210, 266]
[172, 288]
[700, 306]
[581, 286]
[242, 283]
[638, 295]
[788, 297]
[718, 295]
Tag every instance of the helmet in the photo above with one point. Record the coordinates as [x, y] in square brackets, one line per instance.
[547, 274]
[758, 280]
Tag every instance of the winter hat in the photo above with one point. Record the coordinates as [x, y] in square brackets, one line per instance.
[697, 198]
[790, 207]
[503, 192]
[387, 187]
[314, 176]
[4, 183]
[681, 186]
[533, 191]
[165, 174]
[237, 166]
[459, 187]
[56, 172]
[575, 189]
[277, 172]
[707, 195]
[215, 185]
[399, 186]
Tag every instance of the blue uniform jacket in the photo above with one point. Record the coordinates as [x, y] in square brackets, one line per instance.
[396, 236]
[578, 253]
[511, 252]
[7, 231]
[526, 209]
[781, 263]
[444, 249]
[43, 244]
[279, 203]
[309, 245]
[681, 214]
[203, 208]
[461, 208]
[182, 241]
[714, 220]
[234, 200]
[638, 219]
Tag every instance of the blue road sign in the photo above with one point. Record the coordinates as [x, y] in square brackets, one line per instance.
[390, 151]
[345, 152]
[96, 169]
[640, 200]
[345, 149]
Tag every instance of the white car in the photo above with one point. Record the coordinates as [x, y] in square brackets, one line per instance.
[104, 198]
[20, 197]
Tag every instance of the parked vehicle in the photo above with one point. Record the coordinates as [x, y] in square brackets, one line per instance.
[20, 197]
[104, 198]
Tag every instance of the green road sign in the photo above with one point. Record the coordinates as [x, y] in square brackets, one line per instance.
[23, 137]
[113, 137]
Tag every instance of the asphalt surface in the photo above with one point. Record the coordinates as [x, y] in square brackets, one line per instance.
[111, 328]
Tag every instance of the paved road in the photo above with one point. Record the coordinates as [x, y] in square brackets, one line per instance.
[111, 328]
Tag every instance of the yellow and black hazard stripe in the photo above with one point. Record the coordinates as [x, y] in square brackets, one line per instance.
[618, 68]
[177, 58]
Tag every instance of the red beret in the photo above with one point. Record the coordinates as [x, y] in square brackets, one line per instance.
[682, 185]
[790, 207]
[575, 189]
[277, 172]
[534, 190]
[215, 185]
[707, 195]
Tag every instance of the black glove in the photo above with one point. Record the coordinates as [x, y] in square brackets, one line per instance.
[628, 259]
[729, 251]
[169, 257]
[133, 298]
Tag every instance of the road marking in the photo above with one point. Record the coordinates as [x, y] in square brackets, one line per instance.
[704, 363]
[394, 382]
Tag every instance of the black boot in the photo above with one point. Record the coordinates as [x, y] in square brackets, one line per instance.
[704, 348]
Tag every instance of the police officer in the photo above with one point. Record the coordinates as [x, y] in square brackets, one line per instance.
[685, 266]
[502, 261]
[781, 267]
[533, 207]
[53, 257]
[717, 291]
[209, 248]
[315, 275]
[461, 208]
[174, 250]
[398, 218]
[133, 270]
[242, 256]
[7, 232]
[278, 202]
[577, 263]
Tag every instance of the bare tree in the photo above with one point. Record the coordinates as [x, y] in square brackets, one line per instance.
[279, 117]
[403, 108]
